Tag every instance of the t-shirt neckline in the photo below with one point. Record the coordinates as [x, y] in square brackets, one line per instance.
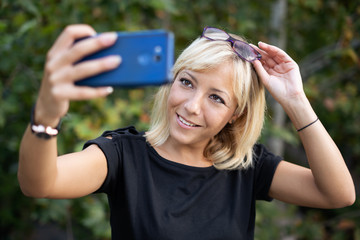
[179, 165]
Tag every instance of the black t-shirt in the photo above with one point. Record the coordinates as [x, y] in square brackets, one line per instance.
[151, 197]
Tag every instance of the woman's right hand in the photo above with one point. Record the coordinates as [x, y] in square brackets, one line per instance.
[61, 72]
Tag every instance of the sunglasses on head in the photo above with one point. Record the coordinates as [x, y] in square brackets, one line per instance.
[242, 49]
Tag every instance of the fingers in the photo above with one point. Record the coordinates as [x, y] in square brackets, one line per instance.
[61, 66]
[62, 85]
[266, 59]
[261, 70]
[93, 67]
[72, 73]
[85, 47]
[58, 88]
[68, 91]
[71, 54]
[274, 60]
[68, 36]
[272, 55]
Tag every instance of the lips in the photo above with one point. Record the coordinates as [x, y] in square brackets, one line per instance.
[185, 122]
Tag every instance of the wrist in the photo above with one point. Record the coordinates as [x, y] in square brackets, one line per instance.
[42, 130]
[300, 111]
[42, 116]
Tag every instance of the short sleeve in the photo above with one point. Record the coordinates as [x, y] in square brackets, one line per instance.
[108, 147]
[265, 167]
[111, 146]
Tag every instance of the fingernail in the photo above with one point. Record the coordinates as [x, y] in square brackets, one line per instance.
[109, 90]
[113, 61]
[108, 38]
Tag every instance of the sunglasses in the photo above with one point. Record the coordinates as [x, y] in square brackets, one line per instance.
[242, 49]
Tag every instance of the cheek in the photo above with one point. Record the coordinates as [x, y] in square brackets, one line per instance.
[218, 118]
[174, 98]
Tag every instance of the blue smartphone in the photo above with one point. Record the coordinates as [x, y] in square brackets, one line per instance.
[147, 59]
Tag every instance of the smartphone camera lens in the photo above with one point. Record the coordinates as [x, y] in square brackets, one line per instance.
[158, 51]
[157, 58]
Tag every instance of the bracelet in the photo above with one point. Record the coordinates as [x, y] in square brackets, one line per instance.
[41, 131]
[308, 125]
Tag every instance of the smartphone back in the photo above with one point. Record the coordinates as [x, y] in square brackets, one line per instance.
[147, 59]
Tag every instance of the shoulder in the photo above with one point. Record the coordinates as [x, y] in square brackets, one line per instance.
[264, 161]
[130, 131]
[110, 141]
[123, 148]
[265, 164]
[261, 153]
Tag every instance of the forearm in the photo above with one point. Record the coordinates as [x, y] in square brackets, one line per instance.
[329, 170]
[41, 173]
[37, 164]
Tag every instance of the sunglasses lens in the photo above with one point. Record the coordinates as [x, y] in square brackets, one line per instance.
[245, 51]
[215, 34]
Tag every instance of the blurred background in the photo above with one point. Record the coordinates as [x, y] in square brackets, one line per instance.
[323, 36]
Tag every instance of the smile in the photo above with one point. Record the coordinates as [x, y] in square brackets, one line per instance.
[183, 121]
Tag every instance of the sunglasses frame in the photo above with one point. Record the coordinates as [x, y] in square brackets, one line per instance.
[257, 55]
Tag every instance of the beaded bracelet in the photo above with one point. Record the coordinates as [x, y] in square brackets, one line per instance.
[41, 131]
[308, 125]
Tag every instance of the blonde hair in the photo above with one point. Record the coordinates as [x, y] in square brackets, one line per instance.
[232, 147]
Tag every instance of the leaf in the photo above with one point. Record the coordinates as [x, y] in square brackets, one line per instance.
[27, 26]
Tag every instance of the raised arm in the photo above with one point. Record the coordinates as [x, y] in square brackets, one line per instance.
[328, 183]
[41, 172]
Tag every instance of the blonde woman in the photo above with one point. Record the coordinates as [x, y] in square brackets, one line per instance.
[197, 172]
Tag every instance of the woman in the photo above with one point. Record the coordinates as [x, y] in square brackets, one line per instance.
[198, 170]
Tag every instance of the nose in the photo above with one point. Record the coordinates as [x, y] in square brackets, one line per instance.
[193, 104]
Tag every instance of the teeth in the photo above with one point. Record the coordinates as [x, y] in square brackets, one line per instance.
[186, 123]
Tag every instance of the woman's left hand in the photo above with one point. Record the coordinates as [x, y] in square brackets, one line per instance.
[279, 73]
[328, 184]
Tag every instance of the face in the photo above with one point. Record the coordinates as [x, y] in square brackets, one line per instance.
[200, 104]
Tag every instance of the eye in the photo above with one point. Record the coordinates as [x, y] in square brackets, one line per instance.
[217, 99]
[186, 82]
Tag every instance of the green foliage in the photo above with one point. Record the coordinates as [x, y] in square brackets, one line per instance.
[278, 221]
[323, 36]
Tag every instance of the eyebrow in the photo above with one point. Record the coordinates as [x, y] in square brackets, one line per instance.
[192, 76]
[212, 89]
